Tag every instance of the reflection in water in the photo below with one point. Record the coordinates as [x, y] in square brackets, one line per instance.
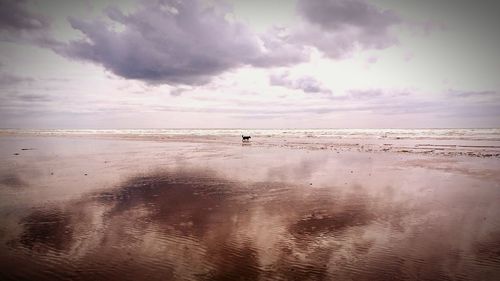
[50, 228]
[195, 225]
[11, 180]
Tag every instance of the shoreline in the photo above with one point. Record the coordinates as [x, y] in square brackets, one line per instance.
[468, 147]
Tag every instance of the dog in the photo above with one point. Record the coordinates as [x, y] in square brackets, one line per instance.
[245, 138]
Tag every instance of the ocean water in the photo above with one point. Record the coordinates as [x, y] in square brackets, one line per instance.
[492, 134]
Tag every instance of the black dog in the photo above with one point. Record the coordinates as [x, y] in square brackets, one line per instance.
[245, 138]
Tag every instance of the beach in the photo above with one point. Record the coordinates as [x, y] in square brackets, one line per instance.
[288, 205]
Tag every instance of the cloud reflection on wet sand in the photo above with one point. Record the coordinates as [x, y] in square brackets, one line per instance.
[197, 225]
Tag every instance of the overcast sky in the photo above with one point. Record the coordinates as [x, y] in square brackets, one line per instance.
[249, 64]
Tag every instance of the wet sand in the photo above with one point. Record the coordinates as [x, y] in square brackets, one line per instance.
[112, 209]
[447, 142]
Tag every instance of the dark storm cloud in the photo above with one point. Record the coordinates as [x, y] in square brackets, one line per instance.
[307, 84]
[15, 17]
[20, 25]
[335, 14]
[189, 42]
[336, 27]
[176, 42]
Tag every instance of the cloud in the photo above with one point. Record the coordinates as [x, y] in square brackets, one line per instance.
[7, 79]
[19, 99]
[365, 94]
[190, 42]
[14, 17]
[34, 98]
[371, 60]
[279, 49]
[19, 25]
[307, 84]
[472, 94]
[179, 91]
[337, 27]
[176, 42]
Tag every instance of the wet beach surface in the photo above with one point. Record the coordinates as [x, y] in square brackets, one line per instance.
[88, 209]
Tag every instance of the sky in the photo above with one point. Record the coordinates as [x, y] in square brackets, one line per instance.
[249, 64]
